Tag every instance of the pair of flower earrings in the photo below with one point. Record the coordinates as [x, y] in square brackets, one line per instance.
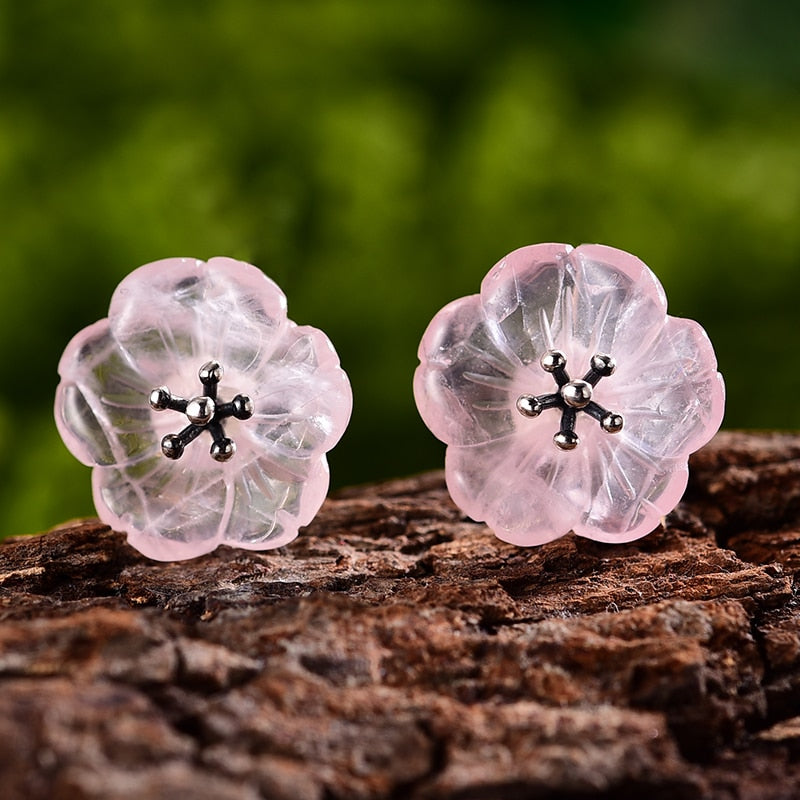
[568, 398]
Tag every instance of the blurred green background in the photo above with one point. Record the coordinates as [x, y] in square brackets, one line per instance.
[375, 159]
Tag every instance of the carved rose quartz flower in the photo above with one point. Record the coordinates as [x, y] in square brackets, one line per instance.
[568, 398]
[205, 412]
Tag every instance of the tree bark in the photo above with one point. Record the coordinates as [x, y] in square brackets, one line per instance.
[398, 650]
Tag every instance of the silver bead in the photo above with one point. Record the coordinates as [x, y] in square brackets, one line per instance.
[612, 423]
[528, 405]
[242, 406]
[577, 394]
[171, 446]
[566, 440]
[211, 372]
[223, 450]
[160, 398]
[603, 364]
[553, 360]
[200, 410]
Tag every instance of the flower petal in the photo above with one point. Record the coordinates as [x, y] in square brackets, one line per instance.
[101, 408]
[630, 493]
[267, 507]
[624, 302]
[593, 299]
[302, 400]
[174, 513]
[465, 382]
[170, 512]
[673, 398]
[526, 490]
[173, 315]
[530, 493]
[521, 293]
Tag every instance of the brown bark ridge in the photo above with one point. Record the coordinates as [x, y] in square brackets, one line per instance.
[398, 650]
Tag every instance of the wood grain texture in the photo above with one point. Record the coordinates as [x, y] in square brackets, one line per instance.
[398, 650]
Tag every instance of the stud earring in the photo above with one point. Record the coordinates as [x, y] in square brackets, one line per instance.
[585, 333]
[195, 352]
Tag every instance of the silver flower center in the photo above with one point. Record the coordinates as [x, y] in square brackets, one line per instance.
[577, 394]
[572, 396]
[204, 412]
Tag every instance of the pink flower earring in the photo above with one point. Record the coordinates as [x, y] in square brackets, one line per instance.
[568, 398]
[205, 412]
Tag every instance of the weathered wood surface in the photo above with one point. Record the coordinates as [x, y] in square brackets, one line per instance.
[398, 650]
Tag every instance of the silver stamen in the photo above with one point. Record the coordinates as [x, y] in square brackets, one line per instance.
[577, 394]
[200, 410]
[553, 360]
[612, 423]
[211, 372]
[529, 406]
[223, 449]
[566, 440]
[572, 396]
[160, 398]
[603, 364]
[205, 412]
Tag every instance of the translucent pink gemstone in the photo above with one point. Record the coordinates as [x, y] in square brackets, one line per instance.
[482, 352]
[165, 321]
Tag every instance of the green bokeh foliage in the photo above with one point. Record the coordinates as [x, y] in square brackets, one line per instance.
[376, 159]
